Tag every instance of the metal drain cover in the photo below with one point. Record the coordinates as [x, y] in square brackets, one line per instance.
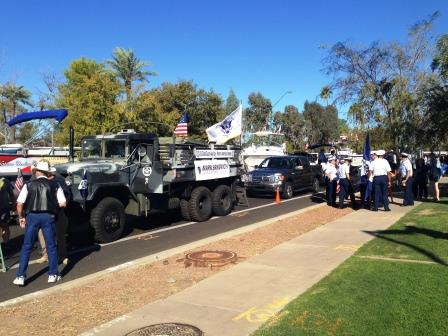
[167, 329]
[210, 258]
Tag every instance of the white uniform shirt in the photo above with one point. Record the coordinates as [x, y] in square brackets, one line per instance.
[331, 172]
[380, 167]
[407, 168]
[24, 194]
[343, 171]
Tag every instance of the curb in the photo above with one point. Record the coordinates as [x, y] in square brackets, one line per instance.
[150, 259]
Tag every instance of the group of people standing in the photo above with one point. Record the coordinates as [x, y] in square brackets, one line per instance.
[377, 177]
[40, 210]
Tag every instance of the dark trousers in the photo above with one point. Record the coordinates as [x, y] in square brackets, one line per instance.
[408, 194]
[331, 192]
[61, 233]
[380, 190]
[421, 189]
[345, 190]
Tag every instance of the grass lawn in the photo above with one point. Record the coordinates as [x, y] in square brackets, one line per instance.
[377, 296]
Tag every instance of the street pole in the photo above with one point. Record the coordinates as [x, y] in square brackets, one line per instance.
[272, 109]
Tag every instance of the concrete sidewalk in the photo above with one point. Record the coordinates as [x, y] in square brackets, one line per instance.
[237, 301]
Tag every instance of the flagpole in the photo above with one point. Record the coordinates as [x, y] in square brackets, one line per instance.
[242, 124]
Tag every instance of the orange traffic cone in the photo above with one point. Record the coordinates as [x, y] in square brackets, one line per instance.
[277, 196]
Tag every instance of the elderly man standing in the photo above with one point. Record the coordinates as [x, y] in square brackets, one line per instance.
[380, 169]
[39, 200]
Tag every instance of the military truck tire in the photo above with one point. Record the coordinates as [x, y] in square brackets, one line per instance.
[222, 200]
[287, 192]
[184, 210]
[108, 220]
[200, 204]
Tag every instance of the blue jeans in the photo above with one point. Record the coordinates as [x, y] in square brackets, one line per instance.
[34, 222]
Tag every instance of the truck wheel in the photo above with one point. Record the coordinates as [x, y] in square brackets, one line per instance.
[200, 204]
[108, 220]
[287, 192]
[184, 210]
[222, 200]
[316, 185]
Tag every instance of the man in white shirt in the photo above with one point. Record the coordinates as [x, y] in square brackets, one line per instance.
[407, 175]
[344, 182]
[331, 178]
[380, 170]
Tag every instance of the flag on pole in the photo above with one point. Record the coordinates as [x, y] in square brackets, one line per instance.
[84, 185]
[229, 128]
[19, 181]
[366, 148]
[182, 126]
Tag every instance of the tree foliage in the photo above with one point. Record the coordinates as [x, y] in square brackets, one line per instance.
[291, 123]
[90, 94]
[320, 122]
[258, 114]
[128, 68]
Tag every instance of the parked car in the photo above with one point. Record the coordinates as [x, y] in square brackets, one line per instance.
[287, 174]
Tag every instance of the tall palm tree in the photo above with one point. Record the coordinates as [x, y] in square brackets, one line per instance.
[326, 93]
[15, 96]
[128, 68]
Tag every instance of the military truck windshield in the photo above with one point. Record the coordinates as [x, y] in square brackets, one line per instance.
[115, 149]
[276, 162]
[91, 149]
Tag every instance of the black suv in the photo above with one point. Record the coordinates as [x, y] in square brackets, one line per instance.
[285, 173]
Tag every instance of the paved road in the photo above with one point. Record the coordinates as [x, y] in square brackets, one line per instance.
[167, 231]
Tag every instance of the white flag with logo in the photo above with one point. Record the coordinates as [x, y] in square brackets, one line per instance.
[229, 128]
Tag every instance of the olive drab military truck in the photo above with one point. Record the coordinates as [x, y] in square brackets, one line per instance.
[136, 173]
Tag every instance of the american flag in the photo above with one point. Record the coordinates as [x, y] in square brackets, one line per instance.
[182, 126]
[19, 181]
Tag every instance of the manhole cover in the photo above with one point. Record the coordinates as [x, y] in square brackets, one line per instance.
[167, 329]
[210, 258]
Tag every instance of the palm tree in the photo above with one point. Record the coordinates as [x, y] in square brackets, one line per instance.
[15, 96]
[326, 93]
[128, 68]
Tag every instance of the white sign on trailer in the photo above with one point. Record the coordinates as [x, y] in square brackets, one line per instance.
[211, 169]
[213, 153]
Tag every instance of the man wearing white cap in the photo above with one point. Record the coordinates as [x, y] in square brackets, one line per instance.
[407, 180]
[380, 170]
[39, 200]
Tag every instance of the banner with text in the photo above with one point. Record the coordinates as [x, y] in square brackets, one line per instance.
[214, 153]
[211, 169]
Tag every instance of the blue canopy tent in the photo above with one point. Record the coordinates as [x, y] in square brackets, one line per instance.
[59, 115]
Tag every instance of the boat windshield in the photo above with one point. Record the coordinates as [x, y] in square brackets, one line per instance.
[266, 139]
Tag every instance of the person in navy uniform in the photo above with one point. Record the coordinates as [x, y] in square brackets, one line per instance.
[407, 180]
[331, 178]
[380, 169]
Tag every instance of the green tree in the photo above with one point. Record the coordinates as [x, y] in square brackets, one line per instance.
[384, 78]
[326, 93]
[167, 103]
[15, 97]
[440, 61]
[128, 68]
[90, 94]
[320, 122]
[291, 123]
[232, 102]
[258, 114]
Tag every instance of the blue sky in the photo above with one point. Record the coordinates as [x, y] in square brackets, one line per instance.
[265, 46]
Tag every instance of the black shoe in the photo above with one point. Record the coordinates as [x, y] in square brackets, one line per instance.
[387, 209]
[374, 209]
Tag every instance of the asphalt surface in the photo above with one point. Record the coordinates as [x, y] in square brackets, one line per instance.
[158, 233]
